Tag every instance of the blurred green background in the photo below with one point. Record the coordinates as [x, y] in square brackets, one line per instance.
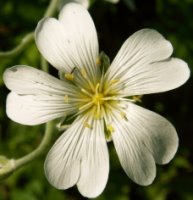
[114, 23]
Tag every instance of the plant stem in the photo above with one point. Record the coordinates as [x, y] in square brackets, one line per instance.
[11, 165]
[18, 49]
[44, 65]
[41, 149]
[51, 8]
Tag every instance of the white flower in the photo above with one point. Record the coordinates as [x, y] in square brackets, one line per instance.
[100, 101]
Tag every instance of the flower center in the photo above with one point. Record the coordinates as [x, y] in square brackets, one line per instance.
[98, 99]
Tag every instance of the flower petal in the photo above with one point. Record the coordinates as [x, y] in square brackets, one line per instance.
[155, 132]
[81, 29]
[36, 109]
[37, 97]
[70, 41]
[28, 80]
[140, 137]
[62, 165]
[95, 166]
[80, 157]
[135, 158]
[143, 66]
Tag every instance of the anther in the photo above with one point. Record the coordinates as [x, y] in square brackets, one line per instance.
[66, 99]
[98, 99]
[137, 98]
[69, 76]
[124, 116]
[114, 81]
[97, 112]
[87, 125]
[110, 128]
[98, 61]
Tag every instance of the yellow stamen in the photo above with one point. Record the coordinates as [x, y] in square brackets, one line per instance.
[114, 81]
[86, 92]
[97, 115]
[137, 98]
[98, 99]
[124, 115]
[97, 88]
[96, 112]
[66, 99]
[87, 125]
[98, 61]
[69, 76]
[110, 128]
[85, 106]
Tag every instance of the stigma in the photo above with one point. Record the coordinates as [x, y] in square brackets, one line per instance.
[98, 99]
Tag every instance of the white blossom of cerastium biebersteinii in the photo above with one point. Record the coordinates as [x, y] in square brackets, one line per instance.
[98, 99]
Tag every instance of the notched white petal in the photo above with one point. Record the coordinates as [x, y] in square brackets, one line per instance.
[157, 133]
[171, 74]
[157, 77]
[79, 157]
[70, 41]
[143, 65]
[62, 165]
[142, 138]
[143, 47]
[53, 43]
[135, 158]
[80, 26]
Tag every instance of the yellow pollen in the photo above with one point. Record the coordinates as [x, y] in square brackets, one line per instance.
[87, 125]
[66, 99]
[110, 128]
[97, 88]
[114, 81]
[98, 61]
[98, 99]
[137, 98]
[97, 116]
[123, 115]
[69, 77]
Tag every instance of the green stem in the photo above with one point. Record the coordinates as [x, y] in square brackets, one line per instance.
[51, 8]
[13, 164]
[18, 49]
[44, 65]
[42, 148]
